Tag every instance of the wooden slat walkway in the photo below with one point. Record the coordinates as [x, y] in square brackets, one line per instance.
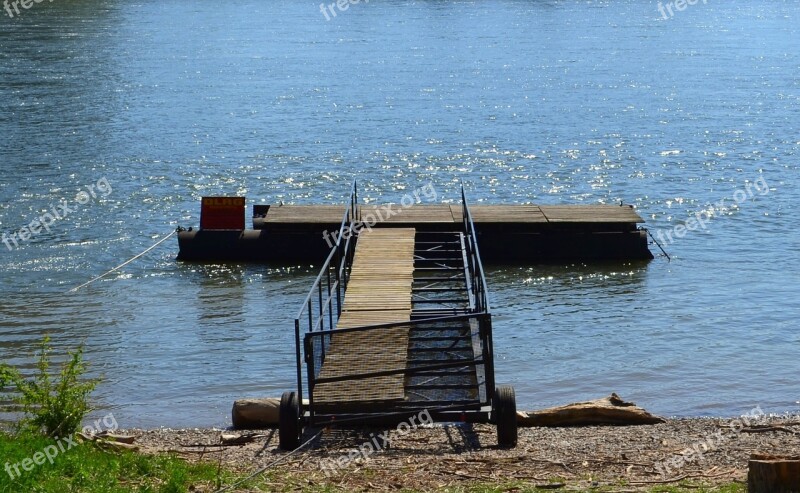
[590, 214]
[379, 291]
[451, 214]
[305, 214]
[422, 213]
[501, 214]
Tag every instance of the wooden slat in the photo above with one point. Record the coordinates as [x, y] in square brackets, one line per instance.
[590, 214]
[421, 213]
[379, 292]
[352, 319]
[501, 213]
[322, 214]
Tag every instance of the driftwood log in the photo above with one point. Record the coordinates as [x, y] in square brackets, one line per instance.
[254, 414]
[609, 410]
[773, 474]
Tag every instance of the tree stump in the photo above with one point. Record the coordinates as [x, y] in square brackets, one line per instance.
[773, 474]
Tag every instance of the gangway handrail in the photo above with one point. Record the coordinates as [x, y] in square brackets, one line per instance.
[478, 277]
[479, 292]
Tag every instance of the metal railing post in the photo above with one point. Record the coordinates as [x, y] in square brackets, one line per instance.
[489, 352]
[330, 301]
[299, 364]
[308, 348]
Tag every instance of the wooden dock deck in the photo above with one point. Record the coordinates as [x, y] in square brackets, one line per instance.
[451, 214]
[507, 233]
[379, 291]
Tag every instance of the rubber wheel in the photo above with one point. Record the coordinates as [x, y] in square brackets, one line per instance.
[289, 422]
[504, 408]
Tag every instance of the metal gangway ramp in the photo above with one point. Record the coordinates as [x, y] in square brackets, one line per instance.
[397, 322]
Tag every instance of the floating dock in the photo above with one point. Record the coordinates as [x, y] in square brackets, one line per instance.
[507, 234]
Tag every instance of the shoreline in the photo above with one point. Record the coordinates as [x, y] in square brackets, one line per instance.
[705, 451]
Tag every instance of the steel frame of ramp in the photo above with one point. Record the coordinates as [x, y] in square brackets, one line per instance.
[390, 336]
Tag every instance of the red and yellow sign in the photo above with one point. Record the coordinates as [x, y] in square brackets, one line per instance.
[222, 213]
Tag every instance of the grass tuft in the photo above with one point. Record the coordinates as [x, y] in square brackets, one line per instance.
[86, 468]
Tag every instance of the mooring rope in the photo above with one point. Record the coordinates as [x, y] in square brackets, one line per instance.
[162, 240]
[305, 444]
[271, 464]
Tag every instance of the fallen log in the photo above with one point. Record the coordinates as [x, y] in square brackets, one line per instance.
[611, 410]
[255, 414]
[773, 474]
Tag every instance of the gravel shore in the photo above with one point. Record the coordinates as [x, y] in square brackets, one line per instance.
[706, 451]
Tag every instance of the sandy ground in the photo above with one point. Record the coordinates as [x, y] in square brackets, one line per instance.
[633, 458]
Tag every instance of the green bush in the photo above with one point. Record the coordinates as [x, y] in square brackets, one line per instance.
[53, 405]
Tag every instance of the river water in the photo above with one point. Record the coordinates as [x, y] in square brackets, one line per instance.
[121, 115]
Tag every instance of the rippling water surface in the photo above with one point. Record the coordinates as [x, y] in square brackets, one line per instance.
[545, 102]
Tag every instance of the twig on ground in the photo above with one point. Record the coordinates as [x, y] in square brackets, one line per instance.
[685, 476]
